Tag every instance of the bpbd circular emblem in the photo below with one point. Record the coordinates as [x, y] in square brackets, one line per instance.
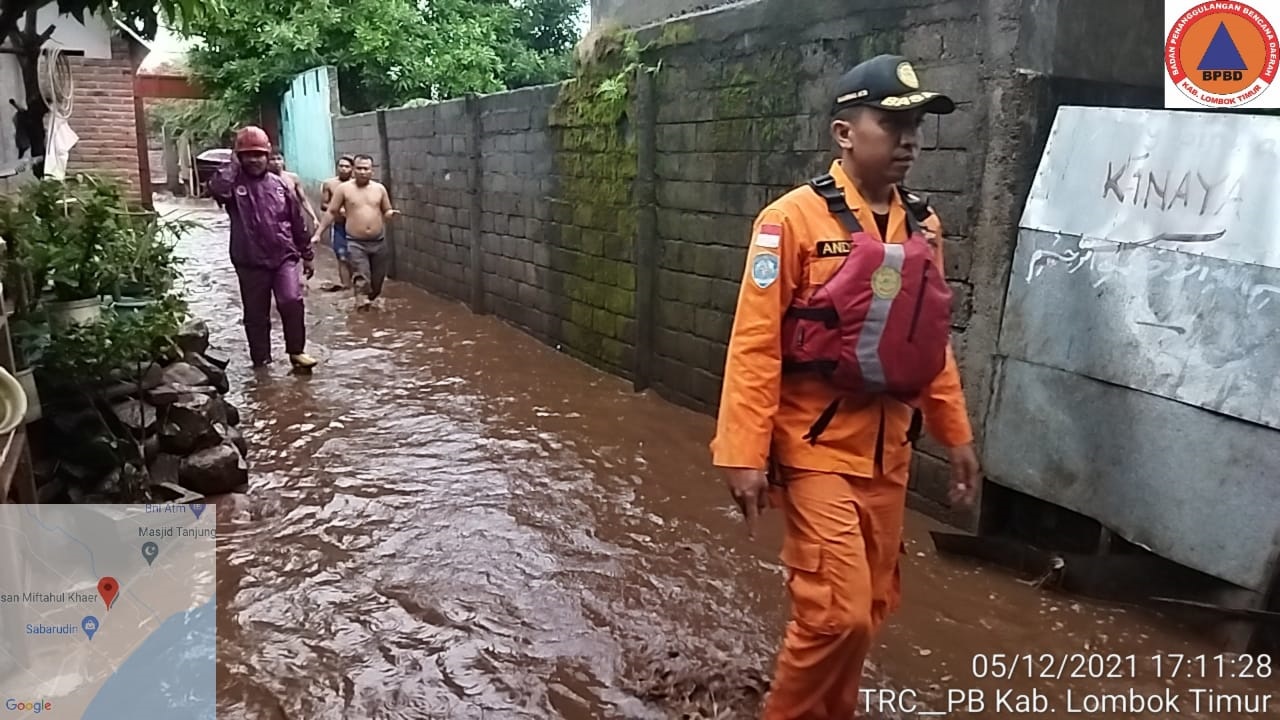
[1222, 54]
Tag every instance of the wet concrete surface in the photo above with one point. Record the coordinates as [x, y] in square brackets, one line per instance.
[448, 519]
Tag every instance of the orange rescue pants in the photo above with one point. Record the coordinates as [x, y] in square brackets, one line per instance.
[841, 549]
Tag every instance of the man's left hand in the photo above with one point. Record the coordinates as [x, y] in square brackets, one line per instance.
[308, 269]
[965, 475]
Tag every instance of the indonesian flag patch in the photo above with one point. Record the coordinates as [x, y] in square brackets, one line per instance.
[769, 236]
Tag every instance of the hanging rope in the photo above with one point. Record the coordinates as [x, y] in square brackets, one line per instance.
[57, 85]
[56, 89]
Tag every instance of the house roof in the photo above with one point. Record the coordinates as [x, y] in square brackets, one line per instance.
[129, 33]
[167, 56]
[159, 62]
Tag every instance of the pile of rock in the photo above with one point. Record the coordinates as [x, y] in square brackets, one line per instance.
[176, 433]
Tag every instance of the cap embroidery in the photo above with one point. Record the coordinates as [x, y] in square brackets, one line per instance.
[907, 75]
[853, 96]
[907, 100]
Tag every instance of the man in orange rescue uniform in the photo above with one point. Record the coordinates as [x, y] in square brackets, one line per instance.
[840, 353]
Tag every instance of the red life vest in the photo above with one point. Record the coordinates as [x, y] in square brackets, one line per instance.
[881, 324]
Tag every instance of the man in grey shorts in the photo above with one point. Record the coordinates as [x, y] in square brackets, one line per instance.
[367, 207]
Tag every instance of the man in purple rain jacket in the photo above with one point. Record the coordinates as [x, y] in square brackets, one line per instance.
[269, 241]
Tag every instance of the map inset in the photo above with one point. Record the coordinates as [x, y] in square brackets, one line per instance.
[107, 611]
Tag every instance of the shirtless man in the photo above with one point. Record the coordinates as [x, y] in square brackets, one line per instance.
[339, 237]
[366, 207]
[291, 180]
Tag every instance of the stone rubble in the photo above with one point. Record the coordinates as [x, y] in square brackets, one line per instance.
[176, 423]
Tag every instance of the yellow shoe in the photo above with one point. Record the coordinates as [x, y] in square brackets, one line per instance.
[302, 361]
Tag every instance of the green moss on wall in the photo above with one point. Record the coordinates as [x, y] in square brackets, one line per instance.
[596, 165]
[736, 101]
[888, 41]
[679, 32]
[762, 86]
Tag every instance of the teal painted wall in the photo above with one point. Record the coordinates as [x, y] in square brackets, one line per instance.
[305, 126]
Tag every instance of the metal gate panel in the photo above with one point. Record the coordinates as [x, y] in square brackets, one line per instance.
[306, 126]
[1192, 486]
[1140, 345]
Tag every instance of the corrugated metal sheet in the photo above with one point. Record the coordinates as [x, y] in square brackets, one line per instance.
[1146, 291]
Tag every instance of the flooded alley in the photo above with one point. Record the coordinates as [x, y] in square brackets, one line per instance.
[449, 519]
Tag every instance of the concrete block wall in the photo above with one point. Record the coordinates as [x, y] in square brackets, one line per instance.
[358, 134]
[625, 245]
[641, 12]
[431, 159]
[517, 175]
[593, 236]
[743, 100]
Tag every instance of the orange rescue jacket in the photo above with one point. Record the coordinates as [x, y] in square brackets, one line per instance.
[765, 415]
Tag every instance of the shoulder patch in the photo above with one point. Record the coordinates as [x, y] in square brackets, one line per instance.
[764, 269]
[769, 235]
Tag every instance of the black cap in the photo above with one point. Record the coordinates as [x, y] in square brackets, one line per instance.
[889, 83]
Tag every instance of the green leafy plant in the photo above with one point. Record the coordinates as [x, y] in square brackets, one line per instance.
[206, 124]
[80, 239]
[69, 238]
[142, 16]
[116, 346]
[84, 255]
[388, 52]
[29, 339]
[153, 265]
[604, 70]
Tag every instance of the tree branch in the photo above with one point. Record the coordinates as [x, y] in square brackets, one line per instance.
[12, 11]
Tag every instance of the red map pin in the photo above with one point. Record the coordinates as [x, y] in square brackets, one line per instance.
[107, 588]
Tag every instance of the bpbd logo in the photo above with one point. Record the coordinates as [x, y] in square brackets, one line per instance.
[1222, 61]
[1222, 54]
[27, 706]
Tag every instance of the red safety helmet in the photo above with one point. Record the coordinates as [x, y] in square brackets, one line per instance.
[252, 139]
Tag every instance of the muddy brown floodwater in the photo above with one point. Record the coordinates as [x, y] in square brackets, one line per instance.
[449, 519]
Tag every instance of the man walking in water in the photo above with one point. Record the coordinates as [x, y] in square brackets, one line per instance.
[840, 352]
[269, 247]
[277, 166]
[366, 206]
[339, 236]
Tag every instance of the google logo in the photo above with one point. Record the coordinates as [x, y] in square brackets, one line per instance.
[35, 706]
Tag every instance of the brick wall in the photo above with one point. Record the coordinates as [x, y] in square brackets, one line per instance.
[103, 116]
[623, 240]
